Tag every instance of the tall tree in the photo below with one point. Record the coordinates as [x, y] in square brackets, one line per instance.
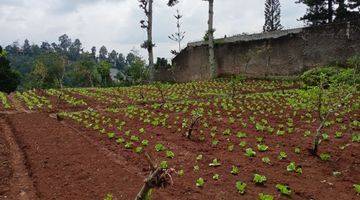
[75, 50]
[147, 7]
[55, 67]
[317, 11]
[323, 11]
[93, 53]
[113, 58]
[9, 80]
[272, 16]
[45, 46]
[347, 10]
[211, 30]
[120, 62]
[65, 43]
[209, 34]
[179, 35]
[104, 70]
[26, 47]
[103, 53]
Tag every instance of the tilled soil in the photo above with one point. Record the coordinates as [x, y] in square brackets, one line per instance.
[5, 167]
[74, 163]
[64, 165]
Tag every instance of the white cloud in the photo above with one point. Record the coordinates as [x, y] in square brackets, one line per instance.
[115, 23]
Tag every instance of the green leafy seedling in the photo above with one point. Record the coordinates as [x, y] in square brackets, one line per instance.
[241, 187]
[159, 147]
[249, 152]
[357, 188]
[170, 154]
[200, 182]
[265, 197]
[235, 170]
[259, 179]
[215, 163]
[284, 189]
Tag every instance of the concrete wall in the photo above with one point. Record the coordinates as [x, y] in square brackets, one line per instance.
[280, 53]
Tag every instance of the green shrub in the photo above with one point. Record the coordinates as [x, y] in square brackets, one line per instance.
[354, 62]
[332, 75]
[312, 77]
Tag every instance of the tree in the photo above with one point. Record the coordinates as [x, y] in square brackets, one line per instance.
[104, 70]
[130, 58]
[84, 72]
[55, 66]
[103, 53]
[75, 50]
[346, 10]
[113, 58]
[9, 80]
[272, 16]
[45, 46]
[179, 35]
[26, 47]
[120, 62]
[93, 53]
[210, 36]
[65, 43]
[213, 67]
[354, 4]
[147, 7]
[137, 72]
[317, 12]
[322, 11]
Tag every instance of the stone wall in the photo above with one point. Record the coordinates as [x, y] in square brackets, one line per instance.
[280, 53]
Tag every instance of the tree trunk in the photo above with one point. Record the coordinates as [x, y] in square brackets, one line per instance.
[150, 40]
[213, 68]
[330, 11]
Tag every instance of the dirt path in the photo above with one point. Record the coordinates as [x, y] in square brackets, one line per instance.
[65, 165]
[19, 182]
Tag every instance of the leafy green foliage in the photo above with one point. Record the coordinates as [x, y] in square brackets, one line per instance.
[170, 154]
[325, 156]
[241, 187]
[9, 79]
[108, 197]
[259, 179]
[250, 153]
[159, 147]
[164, 165]
[200, 182]
[235, 170]
[215, 163]
[216, 177]
[282, 155]
[265, 197]
[284, 189]
[357, 188]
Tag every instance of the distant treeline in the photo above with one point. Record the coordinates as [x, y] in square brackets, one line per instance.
[66, 64]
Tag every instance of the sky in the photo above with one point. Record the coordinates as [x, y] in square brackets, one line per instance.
[115, 23]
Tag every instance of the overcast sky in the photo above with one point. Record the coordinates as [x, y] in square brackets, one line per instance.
[115, 23]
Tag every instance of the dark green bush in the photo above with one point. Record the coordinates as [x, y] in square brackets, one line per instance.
[312, 77]
[9, 79]
[334, 73]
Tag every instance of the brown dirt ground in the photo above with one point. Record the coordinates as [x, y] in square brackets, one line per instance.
[65, 165]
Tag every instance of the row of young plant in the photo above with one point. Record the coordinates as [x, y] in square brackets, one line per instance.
[34, 101]
[5, 103]
[63, 96]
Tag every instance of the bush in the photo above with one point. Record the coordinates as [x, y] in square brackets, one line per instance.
[354, 62]
[332, 75]
[312, 77]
